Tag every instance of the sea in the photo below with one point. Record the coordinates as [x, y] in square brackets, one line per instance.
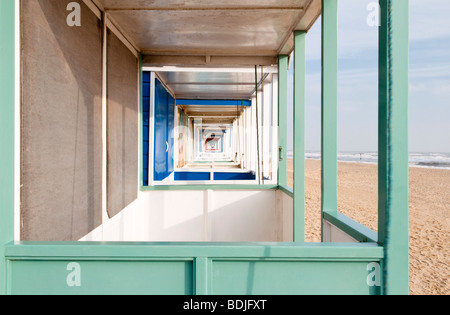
[423, 160]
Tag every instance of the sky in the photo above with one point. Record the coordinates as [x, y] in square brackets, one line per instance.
[429, 107]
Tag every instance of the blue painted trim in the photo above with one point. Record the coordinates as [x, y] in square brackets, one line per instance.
[234, 176]
[145, 125]
[202, 176]
[246, 103]
[192, 176]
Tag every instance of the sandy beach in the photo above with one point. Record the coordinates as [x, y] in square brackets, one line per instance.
[429, 216]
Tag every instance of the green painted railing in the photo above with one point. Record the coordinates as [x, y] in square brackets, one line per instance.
[193, 268]
[287, 190]
[354, 229]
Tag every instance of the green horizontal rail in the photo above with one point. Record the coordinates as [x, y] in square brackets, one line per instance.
[137, 251]
[356, 230]
[287, 190]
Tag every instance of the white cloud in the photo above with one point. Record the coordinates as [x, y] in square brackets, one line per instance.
[429, 77]
[355, 35]
[429, 19]
[426, 72]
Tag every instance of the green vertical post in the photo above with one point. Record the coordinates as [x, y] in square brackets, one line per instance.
[201, 276]
[329, 104]
[393, 145]
[299, 135]
[282, 118]
[7, 80]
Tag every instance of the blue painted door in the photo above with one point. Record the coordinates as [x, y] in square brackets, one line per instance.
[161, 170]
[164, 132]
[170, 133]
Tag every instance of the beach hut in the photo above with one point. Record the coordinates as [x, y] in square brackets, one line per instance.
[144, 150]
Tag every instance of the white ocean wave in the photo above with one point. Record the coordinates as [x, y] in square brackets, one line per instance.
[425, 160]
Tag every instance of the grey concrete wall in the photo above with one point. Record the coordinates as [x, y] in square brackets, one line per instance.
[123, 129]
[61, 173]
